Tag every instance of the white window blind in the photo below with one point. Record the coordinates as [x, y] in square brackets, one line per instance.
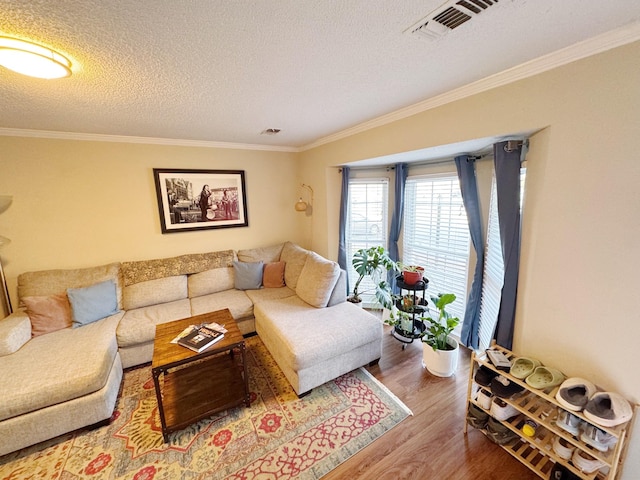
[493, 277]
[366, 226]
[436, 236]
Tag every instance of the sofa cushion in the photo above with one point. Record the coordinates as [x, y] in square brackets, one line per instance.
[153, 292]
[307, 336]
[15, 331]
[236, 301]
[48, 313]
[317, 279]
[92, 303]
[54, 368]
[263, 254]
[210, 281]
[139, 325]
[273, 275]
[339, 292]
[247, 275]
[51, 282]
[294, 258]
[264, 294]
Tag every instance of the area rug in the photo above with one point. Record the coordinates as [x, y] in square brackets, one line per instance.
[279, 437]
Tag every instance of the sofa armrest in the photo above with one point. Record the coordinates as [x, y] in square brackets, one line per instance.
[15, 331]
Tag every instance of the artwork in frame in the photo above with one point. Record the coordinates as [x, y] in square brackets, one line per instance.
[191, 200]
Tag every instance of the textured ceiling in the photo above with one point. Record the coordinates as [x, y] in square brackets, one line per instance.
[223, 71]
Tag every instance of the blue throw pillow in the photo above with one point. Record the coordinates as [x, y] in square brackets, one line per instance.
[92, 303]
[248, 275]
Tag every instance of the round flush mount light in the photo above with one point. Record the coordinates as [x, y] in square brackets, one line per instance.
[270, 131]
[33, 60]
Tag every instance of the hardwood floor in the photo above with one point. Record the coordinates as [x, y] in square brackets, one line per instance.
[430, 444]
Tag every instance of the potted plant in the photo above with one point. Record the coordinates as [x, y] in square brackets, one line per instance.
[373, 262]
[412, 274]
[440, 350]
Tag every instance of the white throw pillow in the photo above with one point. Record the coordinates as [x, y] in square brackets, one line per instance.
[317, 280]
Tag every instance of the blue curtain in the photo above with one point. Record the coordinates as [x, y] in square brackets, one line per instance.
[507, 157]
[466, 168]
[396, 220]
[342, 232]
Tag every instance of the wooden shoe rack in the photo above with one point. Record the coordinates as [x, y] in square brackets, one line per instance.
[541, 407]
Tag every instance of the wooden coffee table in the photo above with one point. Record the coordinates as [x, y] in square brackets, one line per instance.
[197, 385]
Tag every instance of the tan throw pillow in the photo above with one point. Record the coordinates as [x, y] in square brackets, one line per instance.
[273, 275]
[317, 280]
[48, 313]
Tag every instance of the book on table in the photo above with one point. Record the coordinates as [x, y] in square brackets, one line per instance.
[200, 338]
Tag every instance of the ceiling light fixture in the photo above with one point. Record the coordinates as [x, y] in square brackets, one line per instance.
[270, 131]
[33, 60]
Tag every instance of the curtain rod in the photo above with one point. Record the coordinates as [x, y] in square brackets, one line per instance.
[416, 164]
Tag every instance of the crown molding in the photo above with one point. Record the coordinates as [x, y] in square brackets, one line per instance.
[592, 46]
[18, 132]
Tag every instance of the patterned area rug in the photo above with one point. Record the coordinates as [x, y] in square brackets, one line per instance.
[279, 437]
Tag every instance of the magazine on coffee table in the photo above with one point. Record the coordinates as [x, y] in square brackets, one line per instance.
[200, 338]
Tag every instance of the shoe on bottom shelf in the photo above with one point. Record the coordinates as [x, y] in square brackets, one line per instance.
[476, 417]
[585, 463]
[560, 472]
[598, 439]
[499, 433]
[501, 410]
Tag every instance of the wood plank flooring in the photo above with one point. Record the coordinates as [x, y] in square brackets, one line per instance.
[430, 444]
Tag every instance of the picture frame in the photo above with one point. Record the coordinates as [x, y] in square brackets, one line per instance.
[190, 200]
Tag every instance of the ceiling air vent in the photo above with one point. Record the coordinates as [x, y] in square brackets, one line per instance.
[448, 16]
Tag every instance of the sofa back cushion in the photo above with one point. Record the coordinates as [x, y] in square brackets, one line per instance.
[317, 280]
[263, 254]
[152, 292]
[53, 282]
[210, 281]
[294, 258]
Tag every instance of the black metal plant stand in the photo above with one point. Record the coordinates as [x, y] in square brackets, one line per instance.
[418, 307]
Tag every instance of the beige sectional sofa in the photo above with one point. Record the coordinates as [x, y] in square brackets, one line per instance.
[63, 380]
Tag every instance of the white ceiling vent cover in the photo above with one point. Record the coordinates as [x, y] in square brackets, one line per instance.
[447, 17]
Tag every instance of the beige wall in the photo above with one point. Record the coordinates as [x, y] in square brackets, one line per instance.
[79, 203]
[580, 270]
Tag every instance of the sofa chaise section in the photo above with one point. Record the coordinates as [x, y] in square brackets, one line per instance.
[314, 345]
[59, 382]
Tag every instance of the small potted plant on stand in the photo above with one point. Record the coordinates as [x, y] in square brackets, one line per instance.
[375, 263]
[440, 350]
[412, 274]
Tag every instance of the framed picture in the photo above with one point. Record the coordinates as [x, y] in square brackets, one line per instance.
[198, 199]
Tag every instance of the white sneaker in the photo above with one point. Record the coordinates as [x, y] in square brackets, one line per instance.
[597, 438]
[484, 399]
[568, 422]
[585, 463]
[501, 410]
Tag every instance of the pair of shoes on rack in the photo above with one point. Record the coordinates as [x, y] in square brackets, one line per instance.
[535, 374]
[607, 409]
[589, 434]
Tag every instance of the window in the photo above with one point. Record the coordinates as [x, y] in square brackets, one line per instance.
[436, 235]
[367, 225]
[493, 277]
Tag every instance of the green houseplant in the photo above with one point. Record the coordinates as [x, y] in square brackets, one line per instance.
[373, 262]
[440, 349]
